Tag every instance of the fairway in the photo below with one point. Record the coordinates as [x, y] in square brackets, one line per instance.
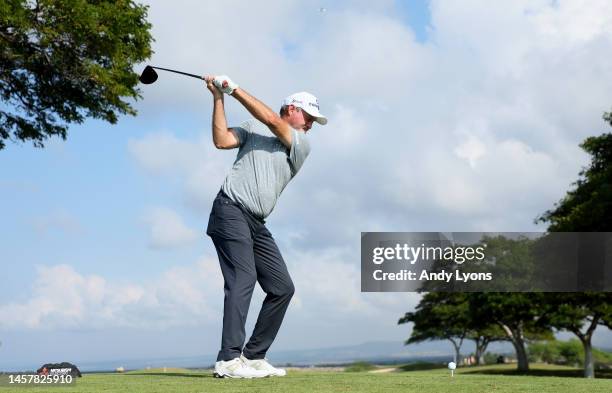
[466, 380]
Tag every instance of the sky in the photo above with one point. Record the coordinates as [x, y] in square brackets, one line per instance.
[443, 116]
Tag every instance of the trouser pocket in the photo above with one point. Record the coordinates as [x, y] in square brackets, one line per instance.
[227, 220]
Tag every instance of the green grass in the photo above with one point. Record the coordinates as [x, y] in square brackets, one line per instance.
[555, 379]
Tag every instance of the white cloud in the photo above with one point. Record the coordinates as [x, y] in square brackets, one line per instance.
[191, 295]
[329, 283]
[574, 22]
[61, 297]
[471, 150]
[167, 229]
[324, 279]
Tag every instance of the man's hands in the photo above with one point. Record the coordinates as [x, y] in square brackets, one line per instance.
[210, 85]
[225, 84]
[221, 83]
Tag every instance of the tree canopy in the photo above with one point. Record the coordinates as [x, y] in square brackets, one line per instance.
[588, 206]
[63, 61]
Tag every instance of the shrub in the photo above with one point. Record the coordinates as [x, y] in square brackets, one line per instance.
[360, 366]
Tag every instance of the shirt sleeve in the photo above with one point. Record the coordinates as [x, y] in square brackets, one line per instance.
[300, 148]
[242, 132]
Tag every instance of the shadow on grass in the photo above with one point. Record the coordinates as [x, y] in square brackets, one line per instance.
[420, 366]
[568, 373]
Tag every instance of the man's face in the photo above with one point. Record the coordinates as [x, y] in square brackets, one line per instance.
[299, 119]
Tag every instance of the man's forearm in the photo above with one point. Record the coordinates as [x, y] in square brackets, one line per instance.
[257, 108]
[264, 114]
[219, 124]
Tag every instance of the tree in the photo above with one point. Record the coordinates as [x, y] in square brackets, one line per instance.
[516, 314]
[62, 61]
[485, 316]
[513, 314]
[482, 317]
[588, 206]
[585, 208]
[482, 336]
[579, 313]
[440, 316]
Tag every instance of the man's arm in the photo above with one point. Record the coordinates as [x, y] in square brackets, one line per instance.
[264, 114]
[223, 137]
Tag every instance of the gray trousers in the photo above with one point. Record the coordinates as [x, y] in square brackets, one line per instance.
[248, 254]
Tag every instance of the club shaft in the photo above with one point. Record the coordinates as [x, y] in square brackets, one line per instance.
[178, 72]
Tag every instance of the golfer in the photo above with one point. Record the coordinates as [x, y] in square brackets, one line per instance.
[247, 251]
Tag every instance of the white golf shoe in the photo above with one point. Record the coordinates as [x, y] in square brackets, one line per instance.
[236, 368]
[263, 365]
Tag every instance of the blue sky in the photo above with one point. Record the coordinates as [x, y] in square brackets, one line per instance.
[442, 118]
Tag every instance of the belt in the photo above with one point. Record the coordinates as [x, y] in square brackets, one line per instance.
[244, 209]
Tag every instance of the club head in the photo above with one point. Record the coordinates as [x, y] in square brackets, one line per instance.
[148, 75]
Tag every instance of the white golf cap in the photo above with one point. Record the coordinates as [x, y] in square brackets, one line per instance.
[307, 102]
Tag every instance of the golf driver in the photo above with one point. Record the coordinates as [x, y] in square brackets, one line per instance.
[149, 75]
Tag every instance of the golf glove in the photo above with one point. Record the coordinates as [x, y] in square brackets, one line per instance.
[225, 84]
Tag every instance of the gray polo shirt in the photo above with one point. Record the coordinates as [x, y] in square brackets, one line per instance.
[263, 167]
